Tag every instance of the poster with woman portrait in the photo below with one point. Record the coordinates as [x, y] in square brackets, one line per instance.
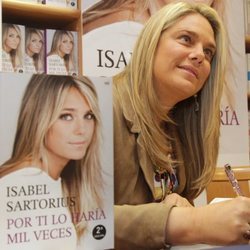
[56, 174]
[62, 52]
[111, 28]
[108, 35]
[234, 143]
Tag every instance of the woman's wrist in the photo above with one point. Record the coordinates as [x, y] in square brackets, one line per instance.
[183, 226]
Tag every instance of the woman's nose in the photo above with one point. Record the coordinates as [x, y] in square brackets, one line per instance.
[197, 55]
[80, 127]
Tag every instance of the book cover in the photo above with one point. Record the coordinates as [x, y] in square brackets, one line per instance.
[34, 56]
[61, 52]
[13, 37]
[36, 211]
[63, 3]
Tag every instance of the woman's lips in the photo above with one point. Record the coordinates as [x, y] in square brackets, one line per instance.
[190, 69]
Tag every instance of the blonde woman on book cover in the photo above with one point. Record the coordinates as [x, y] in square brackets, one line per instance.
[60, 59]
[12, 48]
[116, 20]
[34, 51]
[54, 175]
[166, 135]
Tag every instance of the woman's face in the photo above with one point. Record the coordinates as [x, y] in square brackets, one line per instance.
[71, 135]
[12, 40]
[35, 44]
[66, 45]
[183, 59]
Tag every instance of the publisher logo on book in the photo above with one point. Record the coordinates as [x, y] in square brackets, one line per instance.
[99, 232]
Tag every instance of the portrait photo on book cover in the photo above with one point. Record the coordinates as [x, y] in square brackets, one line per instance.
[13, 36]
[34, 59]
[56, 166]
[62, 52]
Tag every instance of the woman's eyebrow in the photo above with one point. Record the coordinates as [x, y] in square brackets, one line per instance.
[211, 44]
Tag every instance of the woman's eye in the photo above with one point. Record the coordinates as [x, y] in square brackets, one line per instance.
[209, 54]
[185, 38]
[66, 117]
[89, 116]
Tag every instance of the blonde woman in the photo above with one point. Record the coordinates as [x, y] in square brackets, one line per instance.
[60, 59]
[54, 170]
[110, 29]
[166, 135]
[12, 48]
[34, 51]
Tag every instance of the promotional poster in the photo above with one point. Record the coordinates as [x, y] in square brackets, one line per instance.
[109, 35]
[36, 212]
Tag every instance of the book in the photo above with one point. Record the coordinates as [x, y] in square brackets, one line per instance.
[33, 213]
[13, 37]
[61, 52]
[34, 56]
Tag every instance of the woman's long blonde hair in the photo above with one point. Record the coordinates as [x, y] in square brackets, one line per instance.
[40, 108]
[194, 135]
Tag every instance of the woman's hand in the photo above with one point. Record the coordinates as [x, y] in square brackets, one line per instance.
[177, 200]
[221, 223]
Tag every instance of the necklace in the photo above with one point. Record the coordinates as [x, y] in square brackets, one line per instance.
[165, 182]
